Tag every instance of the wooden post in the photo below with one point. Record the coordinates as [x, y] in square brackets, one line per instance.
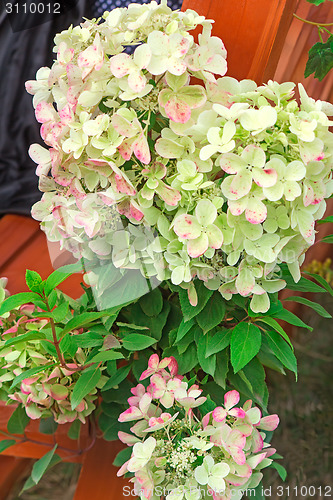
[253, 32]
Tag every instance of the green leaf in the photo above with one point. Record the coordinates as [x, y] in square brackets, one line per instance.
[280, 469]
[88, 380]
[327, 239]
[18, 421]
[29, 373]
[316, 2]
[25, 337]
[18, 300]
[188, 310]
[303, 285]
[106, 356]
[55, 279]
[118, 377]
[255, 374]
[278, 328]
[40, 467]
[155, 324]
[281, 350]
[82, 320]
[123, 456]
[184, 327]
[222, 365]
[74, 430]
[188, 360]
[137, 342]
[48, 426]
[152, 303]
[88, 339]
[322, 281]
[6, 443]
[33, 281]
[60, 312]
[208, 364]
[327, 219]
[316, 307]
[292, 319]
[244, 345]
[320, 60]
[218, 341]
[213, 313]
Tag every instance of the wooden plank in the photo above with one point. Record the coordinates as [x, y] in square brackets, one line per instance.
[24, 246]
[300, 38]
[11, 469]
[37, 444]
[253, 32]
[16, 232]
[98, 479]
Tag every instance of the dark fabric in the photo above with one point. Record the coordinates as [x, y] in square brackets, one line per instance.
[21, 54]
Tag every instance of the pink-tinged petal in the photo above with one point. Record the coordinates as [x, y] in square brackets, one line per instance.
[238, 455]
[128, 439]
[205, 420]
[245, 429]
[126, 148]
[270, 452]
[219, 414]
[33, 412]
[136, 82]
[141, 149]
[45, 112]
[237, 412]
[231, 399]
[66, 114]
[236, 439]
[254, 415]
[269, 423]
[123, 469]
[178, 111]
[192, 295]
[235, 481]
[257, 441]
[58, 392]
[120, 65]
[167, 399]
[130, 209]
[247, 405]
[187, 227]
[256, 212]
[145, 403]
[173, 366]
[255, 460]
[264, 177]
[198, 246]
[131, 413]
[168, 194]
[154, 361]
[243, 470]
[158, 385]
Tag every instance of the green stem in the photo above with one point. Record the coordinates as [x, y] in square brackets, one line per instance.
[312, 22]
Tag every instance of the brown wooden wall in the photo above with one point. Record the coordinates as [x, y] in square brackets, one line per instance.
[299, 40]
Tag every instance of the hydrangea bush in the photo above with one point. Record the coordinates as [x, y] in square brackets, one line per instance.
[189, 199]
[191, 452]
[220, 181]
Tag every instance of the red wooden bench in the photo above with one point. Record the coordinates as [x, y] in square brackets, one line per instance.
[253, 32]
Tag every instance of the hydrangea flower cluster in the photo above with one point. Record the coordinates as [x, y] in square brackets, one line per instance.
[226, 178]
[48, 392]
[178, 455]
